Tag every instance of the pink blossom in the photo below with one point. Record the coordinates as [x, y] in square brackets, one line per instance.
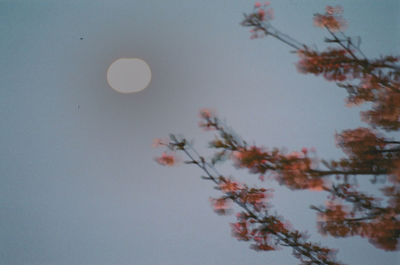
[294, 154]
[237, 155]
[331, 10]
[206, 113]
[304, 150]
[220, 205]
[257, 5]
[229, 186]
[240, 231]
[317, 188]
[261, 13]
[157, 142]
[166, 159]
[332, 19]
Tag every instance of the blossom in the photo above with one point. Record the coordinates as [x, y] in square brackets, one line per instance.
[294, 155]
[265, 14]
[157, 142]
[206, 113]
[332, 19]
[166, 159]
[251, 158]
[221, 205]
[240, 230]
[255, 197]
[261, 13]
[317, 187]
[331, 10]
[229, 186]
[262, 241]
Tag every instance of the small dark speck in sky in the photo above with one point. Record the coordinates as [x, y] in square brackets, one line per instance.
[81, 38]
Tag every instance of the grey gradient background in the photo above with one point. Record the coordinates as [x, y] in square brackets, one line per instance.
[78, 183]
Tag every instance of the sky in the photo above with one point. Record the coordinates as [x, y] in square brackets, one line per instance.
[79, 184]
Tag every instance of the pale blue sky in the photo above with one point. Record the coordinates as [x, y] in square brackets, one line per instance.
[79, 185]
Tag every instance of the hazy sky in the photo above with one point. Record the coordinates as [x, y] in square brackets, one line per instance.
[78, 182]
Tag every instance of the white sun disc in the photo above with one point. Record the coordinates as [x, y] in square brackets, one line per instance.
[128, 75]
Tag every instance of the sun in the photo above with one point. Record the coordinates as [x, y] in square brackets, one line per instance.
[128, 75]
